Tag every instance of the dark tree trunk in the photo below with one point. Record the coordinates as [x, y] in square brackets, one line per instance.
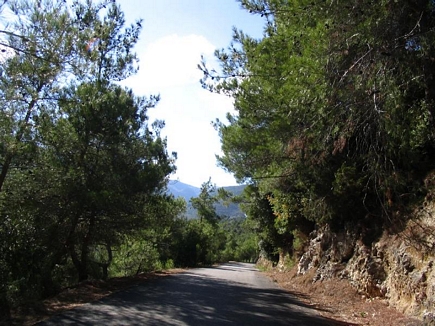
[79, 263]
[105, 266]
[5, 312]
[23, 126]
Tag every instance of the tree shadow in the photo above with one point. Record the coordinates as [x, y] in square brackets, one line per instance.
[194, 299]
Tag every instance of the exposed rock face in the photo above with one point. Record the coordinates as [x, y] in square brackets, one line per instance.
[399, 268]
[328, 252]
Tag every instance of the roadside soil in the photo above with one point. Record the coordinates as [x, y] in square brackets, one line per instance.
[336, 298]
[340, 301]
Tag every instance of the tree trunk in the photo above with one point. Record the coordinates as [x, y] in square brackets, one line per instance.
[105, 266]
[429, 67]
[18, 138]
[79, 263]
[5, 312]
[83, 271]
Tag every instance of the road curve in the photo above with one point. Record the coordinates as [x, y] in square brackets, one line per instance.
[230, 294]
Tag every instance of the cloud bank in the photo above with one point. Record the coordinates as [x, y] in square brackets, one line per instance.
[171, 61]
[168, 66]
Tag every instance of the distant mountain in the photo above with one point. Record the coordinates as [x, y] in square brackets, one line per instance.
[180, 189]
[232, 210]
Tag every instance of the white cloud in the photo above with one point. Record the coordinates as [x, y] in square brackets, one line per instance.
[197, 146]
[190, 133]
[171, 61]
[169, 66]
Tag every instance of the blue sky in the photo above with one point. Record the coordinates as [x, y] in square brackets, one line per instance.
[175, 34]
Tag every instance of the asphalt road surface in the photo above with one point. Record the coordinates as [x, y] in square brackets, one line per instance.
[230, 294]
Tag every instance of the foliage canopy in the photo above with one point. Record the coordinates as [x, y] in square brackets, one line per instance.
[334, 113]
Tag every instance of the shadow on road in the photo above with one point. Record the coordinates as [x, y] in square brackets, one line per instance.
[194, 299]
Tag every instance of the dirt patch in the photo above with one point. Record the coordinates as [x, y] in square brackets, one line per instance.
[78, 295]
[338, 300]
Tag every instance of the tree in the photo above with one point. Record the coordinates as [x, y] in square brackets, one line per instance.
[380, 71]
[66, 124]
[114, 168]
[279, 86]
[41, 40]
[204, 203]
[241, 240]
[334, 110]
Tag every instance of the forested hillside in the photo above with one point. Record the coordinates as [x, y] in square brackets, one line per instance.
[334, 122]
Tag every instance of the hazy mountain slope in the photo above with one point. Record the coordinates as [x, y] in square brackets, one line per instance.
[180, 189]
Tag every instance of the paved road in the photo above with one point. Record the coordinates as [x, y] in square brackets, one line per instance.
[230, 294]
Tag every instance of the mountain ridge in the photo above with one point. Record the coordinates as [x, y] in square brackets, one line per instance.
[180, 189]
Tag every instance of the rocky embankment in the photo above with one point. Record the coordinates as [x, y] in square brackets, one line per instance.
[397, 267]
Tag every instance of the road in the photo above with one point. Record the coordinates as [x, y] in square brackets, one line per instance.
[230, 294]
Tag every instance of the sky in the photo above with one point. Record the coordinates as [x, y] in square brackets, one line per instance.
[174, 36]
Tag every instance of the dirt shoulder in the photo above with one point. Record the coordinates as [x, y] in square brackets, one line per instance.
[340, 301]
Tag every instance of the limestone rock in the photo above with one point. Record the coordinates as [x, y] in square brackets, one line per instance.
[398, 267]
